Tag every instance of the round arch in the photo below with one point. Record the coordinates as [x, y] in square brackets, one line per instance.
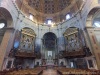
[70, 27]
[26, 37]
[91, 14]
[28, 28]
[50, 33]
[6, 21]
[49, 40]
[6, 15]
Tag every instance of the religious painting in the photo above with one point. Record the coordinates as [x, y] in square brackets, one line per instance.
[26, 42]
[74, 39]
[27, 39]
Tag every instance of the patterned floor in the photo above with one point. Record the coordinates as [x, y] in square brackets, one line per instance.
[50, 72]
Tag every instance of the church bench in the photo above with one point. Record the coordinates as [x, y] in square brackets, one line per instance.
[36, 71]
[69, 71]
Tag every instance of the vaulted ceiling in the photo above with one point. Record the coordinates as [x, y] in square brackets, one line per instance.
[49, 6]
[49, 9]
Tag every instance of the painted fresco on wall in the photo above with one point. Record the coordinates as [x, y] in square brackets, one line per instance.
[27, 39]
[61, 43]
[26, 42]
[73, 42]
[17, 39]
[74, 38]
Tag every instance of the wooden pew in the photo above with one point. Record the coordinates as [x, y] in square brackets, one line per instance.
[71, 71]
[35, 71]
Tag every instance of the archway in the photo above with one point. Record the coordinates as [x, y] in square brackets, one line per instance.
[91, 36]
[3, 25]
[6, 22]
[49, 47]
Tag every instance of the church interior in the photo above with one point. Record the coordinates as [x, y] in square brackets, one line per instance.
[49, 37]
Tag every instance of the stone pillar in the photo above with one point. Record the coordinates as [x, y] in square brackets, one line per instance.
[3, 46]
[94, 44]
[86, 38]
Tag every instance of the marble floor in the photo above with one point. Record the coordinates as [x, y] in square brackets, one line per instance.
[50, 72]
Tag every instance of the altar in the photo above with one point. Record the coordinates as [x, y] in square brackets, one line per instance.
[49, 63]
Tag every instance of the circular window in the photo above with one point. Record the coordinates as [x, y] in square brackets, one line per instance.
[2, 25]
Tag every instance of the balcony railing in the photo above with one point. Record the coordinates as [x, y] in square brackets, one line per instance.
[25, 54]
[84, 52]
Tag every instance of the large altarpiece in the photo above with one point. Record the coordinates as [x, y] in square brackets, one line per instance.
[74, 39]
[27, 39]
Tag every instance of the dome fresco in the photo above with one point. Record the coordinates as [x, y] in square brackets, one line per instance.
[43, 10]
[49, 6]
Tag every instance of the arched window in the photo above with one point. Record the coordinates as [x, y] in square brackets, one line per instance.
[31, 17]
[49, 21]
[68, 16]
[97, 24]
[2, 29]
[2, 25]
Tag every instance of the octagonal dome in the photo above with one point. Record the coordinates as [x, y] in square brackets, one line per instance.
[55, 10]
[49, 6]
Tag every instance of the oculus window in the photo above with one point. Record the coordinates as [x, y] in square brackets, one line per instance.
[2, 25]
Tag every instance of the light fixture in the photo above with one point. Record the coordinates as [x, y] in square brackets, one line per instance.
[2, 25]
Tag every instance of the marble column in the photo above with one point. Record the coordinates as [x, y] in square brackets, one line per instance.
[3, 46]
[94, 44]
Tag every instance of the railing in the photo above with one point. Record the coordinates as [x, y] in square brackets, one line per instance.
[72, 71]
[25, 54]
[84, 52]
[74, 54]
[34, 71]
